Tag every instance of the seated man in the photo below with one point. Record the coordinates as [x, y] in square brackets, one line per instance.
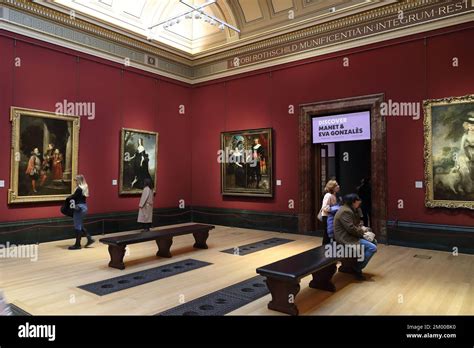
[347, 230]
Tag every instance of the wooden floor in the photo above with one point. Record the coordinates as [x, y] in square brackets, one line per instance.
[398, 284]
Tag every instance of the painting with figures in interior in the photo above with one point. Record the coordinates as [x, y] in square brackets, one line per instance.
[44, 155]
[449, 152]
[138, 160]
[246, 163]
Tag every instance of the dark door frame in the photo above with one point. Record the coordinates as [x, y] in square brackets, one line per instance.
[318, 190]
[307, 209]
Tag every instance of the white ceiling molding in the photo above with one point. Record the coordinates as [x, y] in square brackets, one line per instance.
[55, 27]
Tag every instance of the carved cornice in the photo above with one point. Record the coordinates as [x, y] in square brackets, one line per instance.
[109, 44]
[321, 28]
[65, 19]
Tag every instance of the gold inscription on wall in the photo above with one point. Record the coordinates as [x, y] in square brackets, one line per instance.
[396, 21]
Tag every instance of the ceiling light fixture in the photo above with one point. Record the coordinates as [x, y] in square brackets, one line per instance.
[198, 14]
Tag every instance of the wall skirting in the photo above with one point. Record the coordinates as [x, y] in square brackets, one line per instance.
[47, 230]
[402, 233]
[431, 236]
[258, 220]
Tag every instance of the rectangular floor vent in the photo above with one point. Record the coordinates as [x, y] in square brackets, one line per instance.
[426, 257]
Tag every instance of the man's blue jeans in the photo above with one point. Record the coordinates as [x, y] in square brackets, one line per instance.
[369, 250]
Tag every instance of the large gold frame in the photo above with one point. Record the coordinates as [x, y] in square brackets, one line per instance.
[122, 148]
[430, 202]
[15, 118]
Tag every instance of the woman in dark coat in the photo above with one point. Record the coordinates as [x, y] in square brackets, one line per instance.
[79, 205]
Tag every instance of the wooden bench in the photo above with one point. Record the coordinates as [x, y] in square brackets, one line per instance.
[283, 277]
[163, 238]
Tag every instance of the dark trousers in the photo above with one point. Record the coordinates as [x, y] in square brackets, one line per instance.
[366, 211]
[326, 239]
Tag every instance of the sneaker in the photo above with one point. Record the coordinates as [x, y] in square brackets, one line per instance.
[74, 247]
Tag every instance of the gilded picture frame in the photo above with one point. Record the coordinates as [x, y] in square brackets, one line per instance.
[449, 152]
[246, 158]
[138, 160]
[44, 155]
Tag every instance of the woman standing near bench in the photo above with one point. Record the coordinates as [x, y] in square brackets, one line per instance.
[79, 205]
[330, 199]
[145, 212]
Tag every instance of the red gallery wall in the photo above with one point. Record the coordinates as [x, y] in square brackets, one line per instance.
[406, 70]
[131, 99]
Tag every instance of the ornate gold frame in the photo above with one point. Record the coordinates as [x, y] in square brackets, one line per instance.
[430, 202]
[122, 148]
[250, 192]
[15, 119]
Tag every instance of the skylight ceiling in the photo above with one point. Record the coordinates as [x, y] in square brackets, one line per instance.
[255, 19]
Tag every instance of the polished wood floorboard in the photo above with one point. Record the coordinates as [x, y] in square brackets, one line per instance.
[398, 283]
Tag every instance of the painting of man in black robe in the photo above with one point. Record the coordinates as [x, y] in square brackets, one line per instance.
[246, 160]
[138, 160]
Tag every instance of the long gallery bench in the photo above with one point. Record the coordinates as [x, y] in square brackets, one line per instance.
[163, 238]
[283, 277]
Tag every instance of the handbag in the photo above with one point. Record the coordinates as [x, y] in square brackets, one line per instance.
[66, 208]
[320, 215]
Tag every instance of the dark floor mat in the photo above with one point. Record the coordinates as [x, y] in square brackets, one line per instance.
[108, 286]
[223, 301]
[257, 246]
[251, 289]
[17, 311]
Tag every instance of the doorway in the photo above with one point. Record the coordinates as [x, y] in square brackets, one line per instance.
[348, 162]
[315, 161]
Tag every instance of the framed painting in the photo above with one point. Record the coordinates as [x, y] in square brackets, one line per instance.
[247, 163]
[138, 160]
[44, 155]
[449, 152]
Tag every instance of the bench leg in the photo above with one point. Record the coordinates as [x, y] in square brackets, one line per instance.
[348, 265]
[283, 296]
[116, 256]
[322, 278]
[164, 245]
[200, 239]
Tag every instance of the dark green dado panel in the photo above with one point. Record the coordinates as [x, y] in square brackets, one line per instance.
[431, 236]
[46, 230]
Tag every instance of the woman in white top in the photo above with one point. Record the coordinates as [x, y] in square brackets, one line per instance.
[330, 199]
